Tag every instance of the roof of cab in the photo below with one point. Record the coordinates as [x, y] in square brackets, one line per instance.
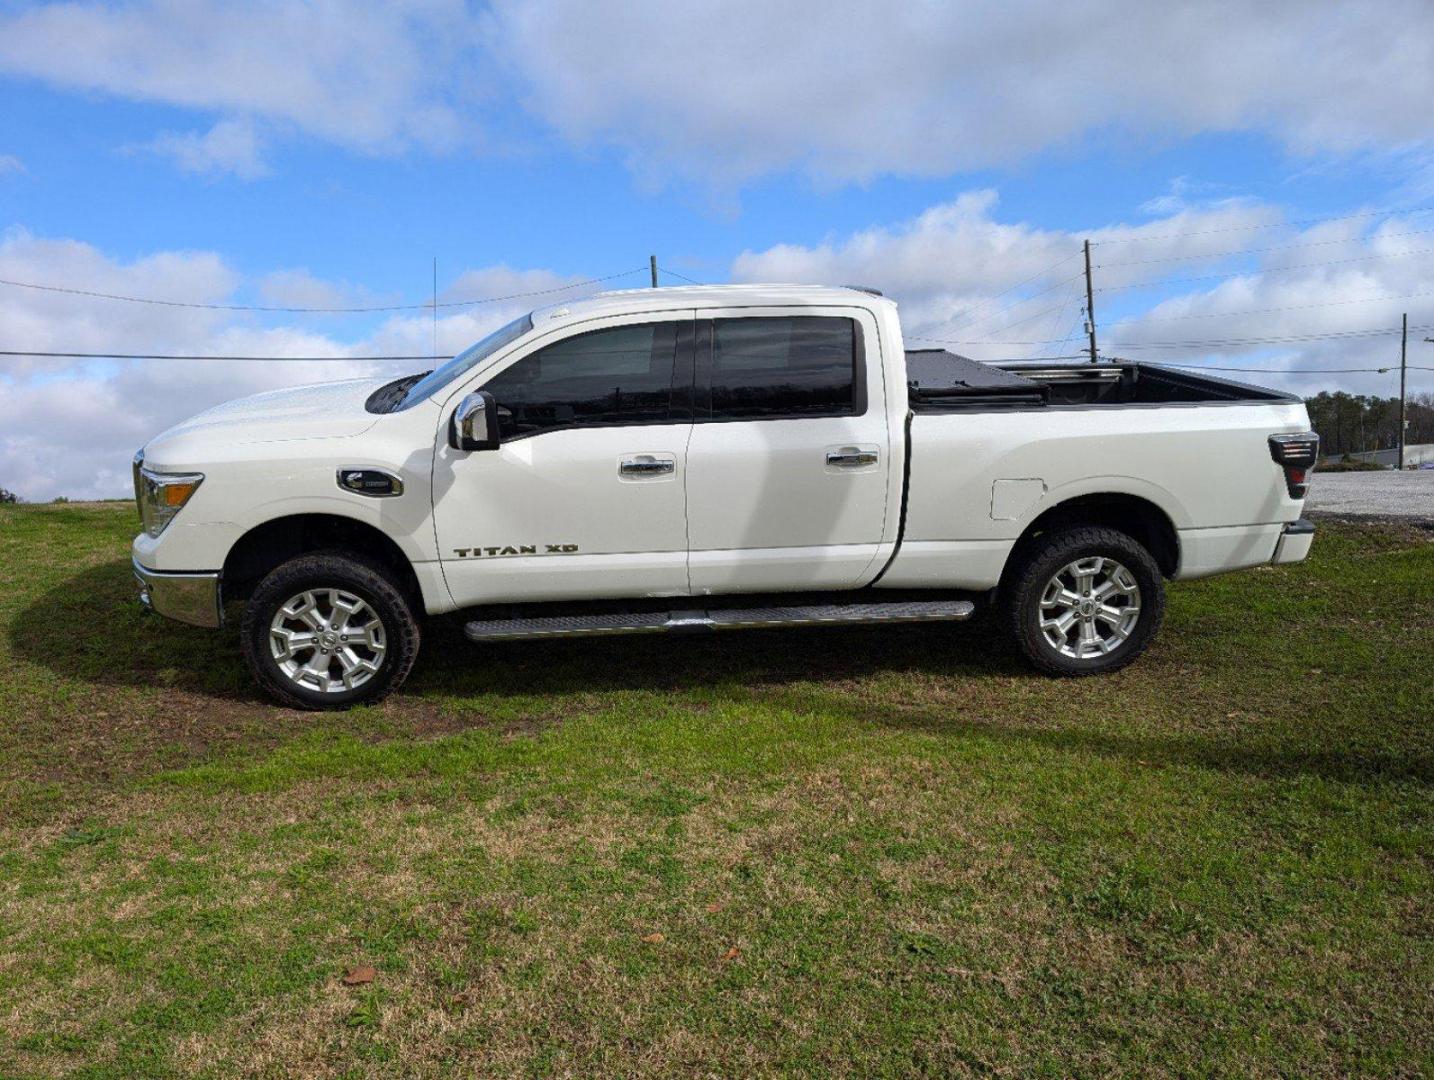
[629, 301]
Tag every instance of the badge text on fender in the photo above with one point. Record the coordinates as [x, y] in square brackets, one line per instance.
[510, 549]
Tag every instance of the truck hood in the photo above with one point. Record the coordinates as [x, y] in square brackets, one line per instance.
[298, 413]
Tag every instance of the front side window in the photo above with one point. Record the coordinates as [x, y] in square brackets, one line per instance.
[622, 375]
[769, 368]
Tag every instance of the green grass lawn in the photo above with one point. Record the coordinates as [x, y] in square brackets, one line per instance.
[873, 852]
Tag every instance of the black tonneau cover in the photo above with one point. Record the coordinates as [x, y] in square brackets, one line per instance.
[938, 375]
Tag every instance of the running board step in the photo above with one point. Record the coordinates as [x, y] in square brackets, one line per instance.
[699, 621]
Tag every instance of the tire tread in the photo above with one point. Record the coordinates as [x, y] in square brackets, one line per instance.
[343, 569]
[1037, 559]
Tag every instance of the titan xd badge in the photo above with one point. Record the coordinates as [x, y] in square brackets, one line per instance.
[509, 549]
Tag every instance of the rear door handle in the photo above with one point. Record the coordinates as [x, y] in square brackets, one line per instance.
[851, 457]
[646, 466]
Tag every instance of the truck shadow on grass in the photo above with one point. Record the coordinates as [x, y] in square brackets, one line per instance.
[92, 628]
[956, 679]
[676, 662]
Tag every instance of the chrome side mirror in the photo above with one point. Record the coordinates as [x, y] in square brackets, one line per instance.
[475, 423]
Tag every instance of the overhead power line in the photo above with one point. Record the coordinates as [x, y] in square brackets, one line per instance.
[317, 310]
[985, 320]
[967, 312]
[1256, 251]
[1023, 300]
[954, 341]
[1059, 320]
[1275, 339]
[1162, 282]
[1281, 339]
[674, 273]
[361, 359]
[1272, 310]
[1264, 225]
[193, 356]
[1293, 371]
[1025, 319]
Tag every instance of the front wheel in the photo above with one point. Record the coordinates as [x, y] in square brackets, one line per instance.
[1083, 601]
[327, 631]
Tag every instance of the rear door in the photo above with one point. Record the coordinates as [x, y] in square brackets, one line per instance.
[789, 459]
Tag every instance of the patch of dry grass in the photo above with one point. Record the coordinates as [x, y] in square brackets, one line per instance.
[920, 859]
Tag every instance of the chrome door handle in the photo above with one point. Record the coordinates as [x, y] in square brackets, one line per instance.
[646, 465]
[851, 457]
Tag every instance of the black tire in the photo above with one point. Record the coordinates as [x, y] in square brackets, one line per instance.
[1037, 563]
[349, 574]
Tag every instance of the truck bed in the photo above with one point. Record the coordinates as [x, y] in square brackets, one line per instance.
[935, 375]
[941, 381]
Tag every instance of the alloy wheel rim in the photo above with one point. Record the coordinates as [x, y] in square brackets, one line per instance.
[328, 640]
[1089, 608]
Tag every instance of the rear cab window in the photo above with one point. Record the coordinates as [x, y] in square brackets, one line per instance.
[780, 367]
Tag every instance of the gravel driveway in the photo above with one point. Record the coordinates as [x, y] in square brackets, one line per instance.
[1387, 494]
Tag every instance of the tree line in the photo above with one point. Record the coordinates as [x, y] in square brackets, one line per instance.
[1349, 423]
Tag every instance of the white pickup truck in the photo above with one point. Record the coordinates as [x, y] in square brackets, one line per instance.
[712, 458]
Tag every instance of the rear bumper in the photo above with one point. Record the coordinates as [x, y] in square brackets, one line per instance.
[193, 598]
[1204, 552]
[1294, 542]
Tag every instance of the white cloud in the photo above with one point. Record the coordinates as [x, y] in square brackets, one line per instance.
[991, 289]
[51, 321]
[952, 266]
[11, 165]
[1185, 193]
[70, 427]
[73, 432]
[505, 294]
[1336, 278]
[230, 146]
[377, 76]
[848, 91]
[299, 288]
[960, 273]
[720, 94]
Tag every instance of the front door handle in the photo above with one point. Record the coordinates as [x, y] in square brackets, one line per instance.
[642, 466]
[850, 457]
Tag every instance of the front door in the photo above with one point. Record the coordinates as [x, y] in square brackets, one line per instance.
[788, 465]
[586, 495]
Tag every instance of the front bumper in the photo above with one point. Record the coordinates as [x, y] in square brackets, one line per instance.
[1294, 543]
[193, 598]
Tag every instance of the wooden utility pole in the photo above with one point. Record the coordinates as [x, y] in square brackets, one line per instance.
[652, 265]
[1403, 365]
[1089, 304]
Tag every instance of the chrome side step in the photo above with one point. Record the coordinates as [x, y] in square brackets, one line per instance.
[699, 621]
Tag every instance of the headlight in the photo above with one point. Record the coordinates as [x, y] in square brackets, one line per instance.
[161, 495]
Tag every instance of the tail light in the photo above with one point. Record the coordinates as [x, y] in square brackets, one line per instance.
[1296, 454]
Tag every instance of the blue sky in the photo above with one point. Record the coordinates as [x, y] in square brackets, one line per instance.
[378, 220]
[1263, 171]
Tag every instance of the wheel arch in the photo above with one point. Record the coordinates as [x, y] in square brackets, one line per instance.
[272, 542]
[1138, 517]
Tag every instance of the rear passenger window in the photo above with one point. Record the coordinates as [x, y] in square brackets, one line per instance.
[796, 366]
[621, 375]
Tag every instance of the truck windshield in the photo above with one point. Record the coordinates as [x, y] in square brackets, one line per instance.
[465, 361]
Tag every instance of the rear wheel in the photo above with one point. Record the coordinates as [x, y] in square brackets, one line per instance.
[327, 631]
[1083, 601]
